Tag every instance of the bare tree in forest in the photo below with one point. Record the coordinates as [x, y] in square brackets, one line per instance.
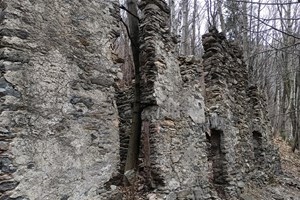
[221, 16]
[185, 26]
[193, 41]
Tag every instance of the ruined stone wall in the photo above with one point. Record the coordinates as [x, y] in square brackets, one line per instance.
[225, 84]
[196, 147]
[58, 116]
[236, 111]
[124, 102]
[173, 114]
[266, 161]
[64, 129]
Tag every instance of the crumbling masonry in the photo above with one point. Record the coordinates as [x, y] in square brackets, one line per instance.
[64, 122]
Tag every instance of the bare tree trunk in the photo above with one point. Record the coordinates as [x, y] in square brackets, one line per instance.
[172, 15]
[193, 41]
[286, 98]
[258, 25]
[298, 102]
[245, 32]
[297, 107]
[134, 142]
[128, 70]
[251, 48]
[221, 17]
[185, 26]
[212, 12]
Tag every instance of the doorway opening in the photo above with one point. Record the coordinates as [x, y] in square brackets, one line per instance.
[257, 146]
[217, 157]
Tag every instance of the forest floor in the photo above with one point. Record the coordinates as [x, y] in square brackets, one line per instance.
[285, 186]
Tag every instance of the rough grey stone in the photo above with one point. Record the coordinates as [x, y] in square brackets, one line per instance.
[22, 34]
[64, 129]
[7, 186]
[45, 46]
[7, 88]
[6, 165]
[4, 146]
[171, 196]
[174, 112]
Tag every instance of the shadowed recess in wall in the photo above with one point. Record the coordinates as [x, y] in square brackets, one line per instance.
[217, 156]
[257, 146]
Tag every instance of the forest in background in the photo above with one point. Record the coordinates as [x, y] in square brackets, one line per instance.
[268, 32]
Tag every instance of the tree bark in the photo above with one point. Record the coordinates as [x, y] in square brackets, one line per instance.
[297, 107]
[193, 46]
[244, 30]
[221, 17]
[172, 15]
[185, 27]
[134, 141]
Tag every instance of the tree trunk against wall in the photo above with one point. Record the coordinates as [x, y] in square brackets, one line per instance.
[128, 71]
[134, 141]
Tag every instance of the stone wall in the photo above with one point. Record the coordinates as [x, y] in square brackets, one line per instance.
[58, 115]
[64, 127]
[196, 147]
[237, 112]
[173, 114]
[225, 84]
[124, 100]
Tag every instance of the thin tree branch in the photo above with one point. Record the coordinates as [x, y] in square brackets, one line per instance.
[274, 28]
[123, 8]
[128, 33]
[261, 3]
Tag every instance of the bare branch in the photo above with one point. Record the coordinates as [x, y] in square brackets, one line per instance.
[268, 4]
[124, 8]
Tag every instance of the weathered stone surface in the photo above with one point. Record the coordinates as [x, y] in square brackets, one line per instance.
[57, 118]
[237, 113]
[64, 127]
[188, 153]
[124, 103]
[7, 186]
[174, 110]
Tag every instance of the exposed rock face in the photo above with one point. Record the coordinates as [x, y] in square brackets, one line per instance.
[60, 136]
[59, 122]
